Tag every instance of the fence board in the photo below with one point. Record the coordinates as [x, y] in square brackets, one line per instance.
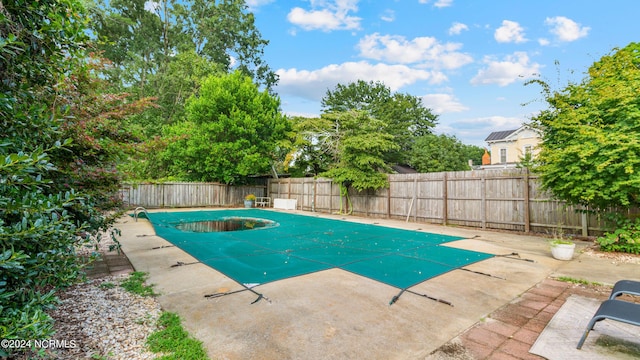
[186, 194]
[509, 199]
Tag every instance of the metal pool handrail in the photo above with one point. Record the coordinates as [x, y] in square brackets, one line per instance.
[135, 212]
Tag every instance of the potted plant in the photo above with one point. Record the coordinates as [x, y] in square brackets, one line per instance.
[562, 249]
[249, 201]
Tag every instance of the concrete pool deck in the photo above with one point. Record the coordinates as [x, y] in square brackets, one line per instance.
[335, 314]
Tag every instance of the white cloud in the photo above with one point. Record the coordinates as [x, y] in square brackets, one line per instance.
[456, 28]
[510, 31]
[314, 84]
[326, 15]
[513, 68]
[438, 3]
[443, 3]
[489, 124]
[152, 6]
[254, 4]
[543, 42]
[426, 51]
[388, 15]
[302, 114]
[501, 122]
[566, 29]
[443, 103]
[473, 131]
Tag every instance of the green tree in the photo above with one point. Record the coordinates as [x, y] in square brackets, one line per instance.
[225, 29]
[172, 87]
[590, 154]
[405, 116]
[143, 38]
[357, 143]
[435, 153]
[310, 154]
[591, 143]
[100, 139]
[233, 130]
[473, 153]
[134, 39]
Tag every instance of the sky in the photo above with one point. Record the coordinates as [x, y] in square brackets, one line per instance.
[467, 60]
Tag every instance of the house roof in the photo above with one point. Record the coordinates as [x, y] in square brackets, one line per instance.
[404, 169]
[499, 135]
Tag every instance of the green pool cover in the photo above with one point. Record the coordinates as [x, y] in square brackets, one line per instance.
[296, 245]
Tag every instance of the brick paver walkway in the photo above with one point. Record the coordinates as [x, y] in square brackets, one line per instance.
[109, 264]
[510, 331]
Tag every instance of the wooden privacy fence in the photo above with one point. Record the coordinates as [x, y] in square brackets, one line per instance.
[186, 194]
[509, 199]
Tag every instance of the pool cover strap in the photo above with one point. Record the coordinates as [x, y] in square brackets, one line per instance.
[162, 247]
[395, 298]
[482, 273]
[510, 256]
[221, 294]
[180, 263]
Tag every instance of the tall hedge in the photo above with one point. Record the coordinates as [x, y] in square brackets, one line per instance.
[43, 217]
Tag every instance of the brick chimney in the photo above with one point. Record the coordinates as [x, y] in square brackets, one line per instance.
[486, 158]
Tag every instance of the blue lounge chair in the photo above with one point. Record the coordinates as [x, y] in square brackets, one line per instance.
[625, 287]
[623, 311]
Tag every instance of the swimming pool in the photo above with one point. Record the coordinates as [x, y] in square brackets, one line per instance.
[295, 245]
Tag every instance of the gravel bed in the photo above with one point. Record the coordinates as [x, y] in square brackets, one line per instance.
[105, 320]
[98, 319]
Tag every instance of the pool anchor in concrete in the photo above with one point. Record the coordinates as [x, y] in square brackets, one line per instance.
[180, 263]
[511, 256]
[221, 294]
[162, 247]
[395, 298]
[481, 273]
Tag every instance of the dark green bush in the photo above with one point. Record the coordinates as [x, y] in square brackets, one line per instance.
[38, 236]
[41, 221]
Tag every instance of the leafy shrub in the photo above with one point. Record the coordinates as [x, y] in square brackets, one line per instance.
[626, 238]
[47, 209]
[38, 236]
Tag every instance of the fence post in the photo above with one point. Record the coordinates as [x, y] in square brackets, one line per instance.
[527, 219]
[315, 194]
[279, 192]
[483, 201]
[445, 200]
[331, 196]
[366, 202]
[415, 196]
[389, 199]
[303, 195]
[585, 223]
